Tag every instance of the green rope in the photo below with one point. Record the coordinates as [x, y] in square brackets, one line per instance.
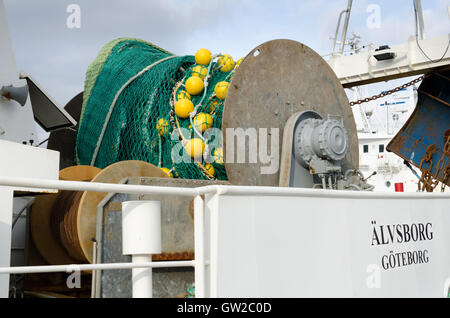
[159, 151]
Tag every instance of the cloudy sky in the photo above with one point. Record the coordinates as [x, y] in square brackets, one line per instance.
[58, 56]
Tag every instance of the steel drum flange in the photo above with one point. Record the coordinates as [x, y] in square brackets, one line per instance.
[276, 80]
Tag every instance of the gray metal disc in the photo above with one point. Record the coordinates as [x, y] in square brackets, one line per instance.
[276, 80]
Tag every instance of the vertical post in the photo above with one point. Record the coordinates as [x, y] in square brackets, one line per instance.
[344, 30]
[6, 211]
[142, 278]
[419, 19]
[337, 30]
[387, 116]
[199, 233]
[141, 237]
[94, 272]
[447, 288]
[213, 205]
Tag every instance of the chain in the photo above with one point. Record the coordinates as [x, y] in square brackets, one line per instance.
[389, 92]
[428, 181]
[445, 179]
[440, 164]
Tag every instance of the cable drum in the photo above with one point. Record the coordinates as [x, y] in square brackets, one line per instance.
[277, 80]
[63, 222]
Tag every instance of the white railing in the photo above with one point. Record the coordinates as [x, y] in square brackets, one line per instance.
[211, 189]
[199, 261]
[88, 267]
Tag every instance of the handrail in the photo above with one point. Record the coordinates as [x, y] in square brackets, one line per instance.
[211, 189]
[199, 262]
[88, 267]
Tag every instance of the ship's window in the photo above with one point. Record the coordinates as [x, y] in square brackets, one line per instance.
[365, 148]
[380, 148]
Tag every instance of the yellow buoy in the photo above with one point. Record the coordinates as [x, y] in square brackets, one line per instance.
[235, 67]
[239, 62]
[195, 147]
[194, 85]
[183, 108]
[218, 156]
[209, 167]
[203, 57]
[202, 121]
[225, 63]
[221, 89]
[212, 105]
[162, 126]
[168, 172]
[200, 71]
[182, 94]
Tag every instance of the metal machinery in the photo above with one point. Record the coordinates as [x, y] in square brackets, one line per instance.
[319, 147]
[311, 119]
[424, 138]
[236, 238]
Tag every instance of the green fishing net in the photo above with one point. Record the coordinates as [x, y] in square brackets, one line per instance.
[128, 113]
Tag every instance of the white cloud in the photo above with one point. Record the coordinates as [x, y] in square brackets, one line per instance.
[58, 57]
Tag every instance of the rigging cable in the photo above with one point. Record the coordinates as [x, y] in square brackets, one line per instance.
[417, 39]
